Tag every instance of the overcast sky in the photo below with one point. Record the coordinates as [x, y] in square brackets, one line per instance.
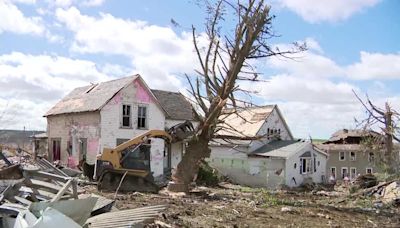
[47, 48]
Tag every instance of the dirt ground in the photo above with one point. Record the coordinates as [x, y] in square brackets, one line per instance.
[236, 206]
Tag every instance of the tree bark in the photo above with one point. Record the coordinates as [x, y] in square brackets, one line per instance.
[187, 169]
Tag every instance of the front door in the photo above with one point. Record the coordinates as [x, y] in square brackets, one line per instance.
[56, 148]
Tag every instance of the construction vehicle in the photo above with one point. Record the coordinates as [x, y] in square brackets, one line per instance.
[127, 167]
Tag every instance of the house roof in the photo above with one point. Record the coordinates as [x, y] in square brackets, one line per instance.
[90, 98]
[175, 105]
[41, 135]
[94, 97]
[248, 121]
[346, 133]
[337, 147]
[280, 148]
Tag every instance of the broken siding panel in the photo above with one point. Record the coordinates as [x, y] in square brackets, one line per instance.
[82, 125]
[273, 122]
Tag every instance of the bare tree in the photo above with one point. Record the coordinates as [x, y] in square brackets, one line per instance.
[224, 62]
[386, 120]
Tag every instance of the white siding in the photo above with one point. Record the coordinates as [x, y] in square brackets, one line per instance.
[273, 122]
[294, 173]
[111, 122]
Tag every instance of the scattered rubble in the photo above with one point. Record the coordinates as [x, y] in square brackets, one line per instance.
[40, 195]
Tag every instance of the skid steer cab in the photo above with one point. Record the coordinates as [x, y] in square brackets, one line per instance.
[127, 166]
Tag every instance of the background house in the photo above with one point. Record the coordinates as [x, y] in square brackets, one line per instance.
[107, 114]
[273, 159]
[347, 157]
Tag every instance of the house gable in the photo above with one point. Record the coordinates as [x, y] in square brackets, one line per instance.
[274, 122]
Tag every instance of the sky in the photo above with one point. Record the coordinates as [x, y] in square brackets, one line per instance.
[48, 48]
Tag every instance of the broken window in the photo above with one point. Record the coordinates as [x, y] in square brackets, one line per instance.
[344, 172]
[142, 117]
[126, 116]
[353, 173]
[371, 157]
[368, 170]
[342, 156]
[352, 156]
[333, 171]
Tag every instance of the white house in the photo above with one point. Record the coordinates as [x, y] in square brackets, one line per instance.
[273, 159]
[104, 115]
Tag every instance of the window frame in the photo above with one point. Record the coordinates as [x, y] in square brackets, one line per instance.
[146, 117]
[341, 171]
[335, 174]
[366, 170]
[355, 173]
[371, 159]
[344, 156]
[126, 115]
[351, 158]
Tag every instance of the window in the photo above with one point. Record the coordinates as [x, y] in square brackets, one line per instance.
[295, 165]
[371, 157]
[126, 116]
[142, 117]
[344, 172]
[267, 133]
[342, 156]
[353, 173]
[368, 171]
[352, 156]
[333, 171]
[305, 165]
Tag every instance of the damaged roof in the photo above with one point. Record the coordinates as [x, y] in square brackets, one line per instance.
[94, 97]
[90, 98]
[280, 148]
[349, 133]
[174, 104]
[247, 121]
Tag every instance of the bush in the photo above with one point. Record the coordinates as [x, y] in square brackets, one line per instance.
[207, 176]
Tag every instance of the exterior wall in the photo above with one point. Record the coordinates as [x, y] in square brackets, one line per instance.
[273, 122]
[111, 116]
[40, 147]
[254, 172]
[295, 178]
[361, 163]
[71, 127]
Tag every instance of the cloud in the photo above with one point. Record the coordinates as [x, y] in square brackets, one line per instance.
[375, 66]
[326, 10]
[13, 20]
[157, 52]
[298, 88]
[69, 3]
[38, 82]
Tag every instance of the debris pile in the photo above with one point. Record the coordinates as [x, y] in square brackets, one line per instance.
[42, 195]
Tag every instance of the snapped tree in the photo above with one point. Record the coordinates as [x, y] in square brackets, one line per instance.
[225, 61]
[386, 120]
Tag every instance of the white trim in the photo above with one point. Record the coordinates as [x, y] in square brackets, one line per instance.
[341, 171]
[355, 173]
[335, 171]
[344, 156]
[366, 170]
[355, 156]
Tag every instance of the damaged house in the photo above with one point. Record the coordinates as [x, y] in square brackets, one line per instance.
[274, 158]
[347, 156]
[107, 114]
